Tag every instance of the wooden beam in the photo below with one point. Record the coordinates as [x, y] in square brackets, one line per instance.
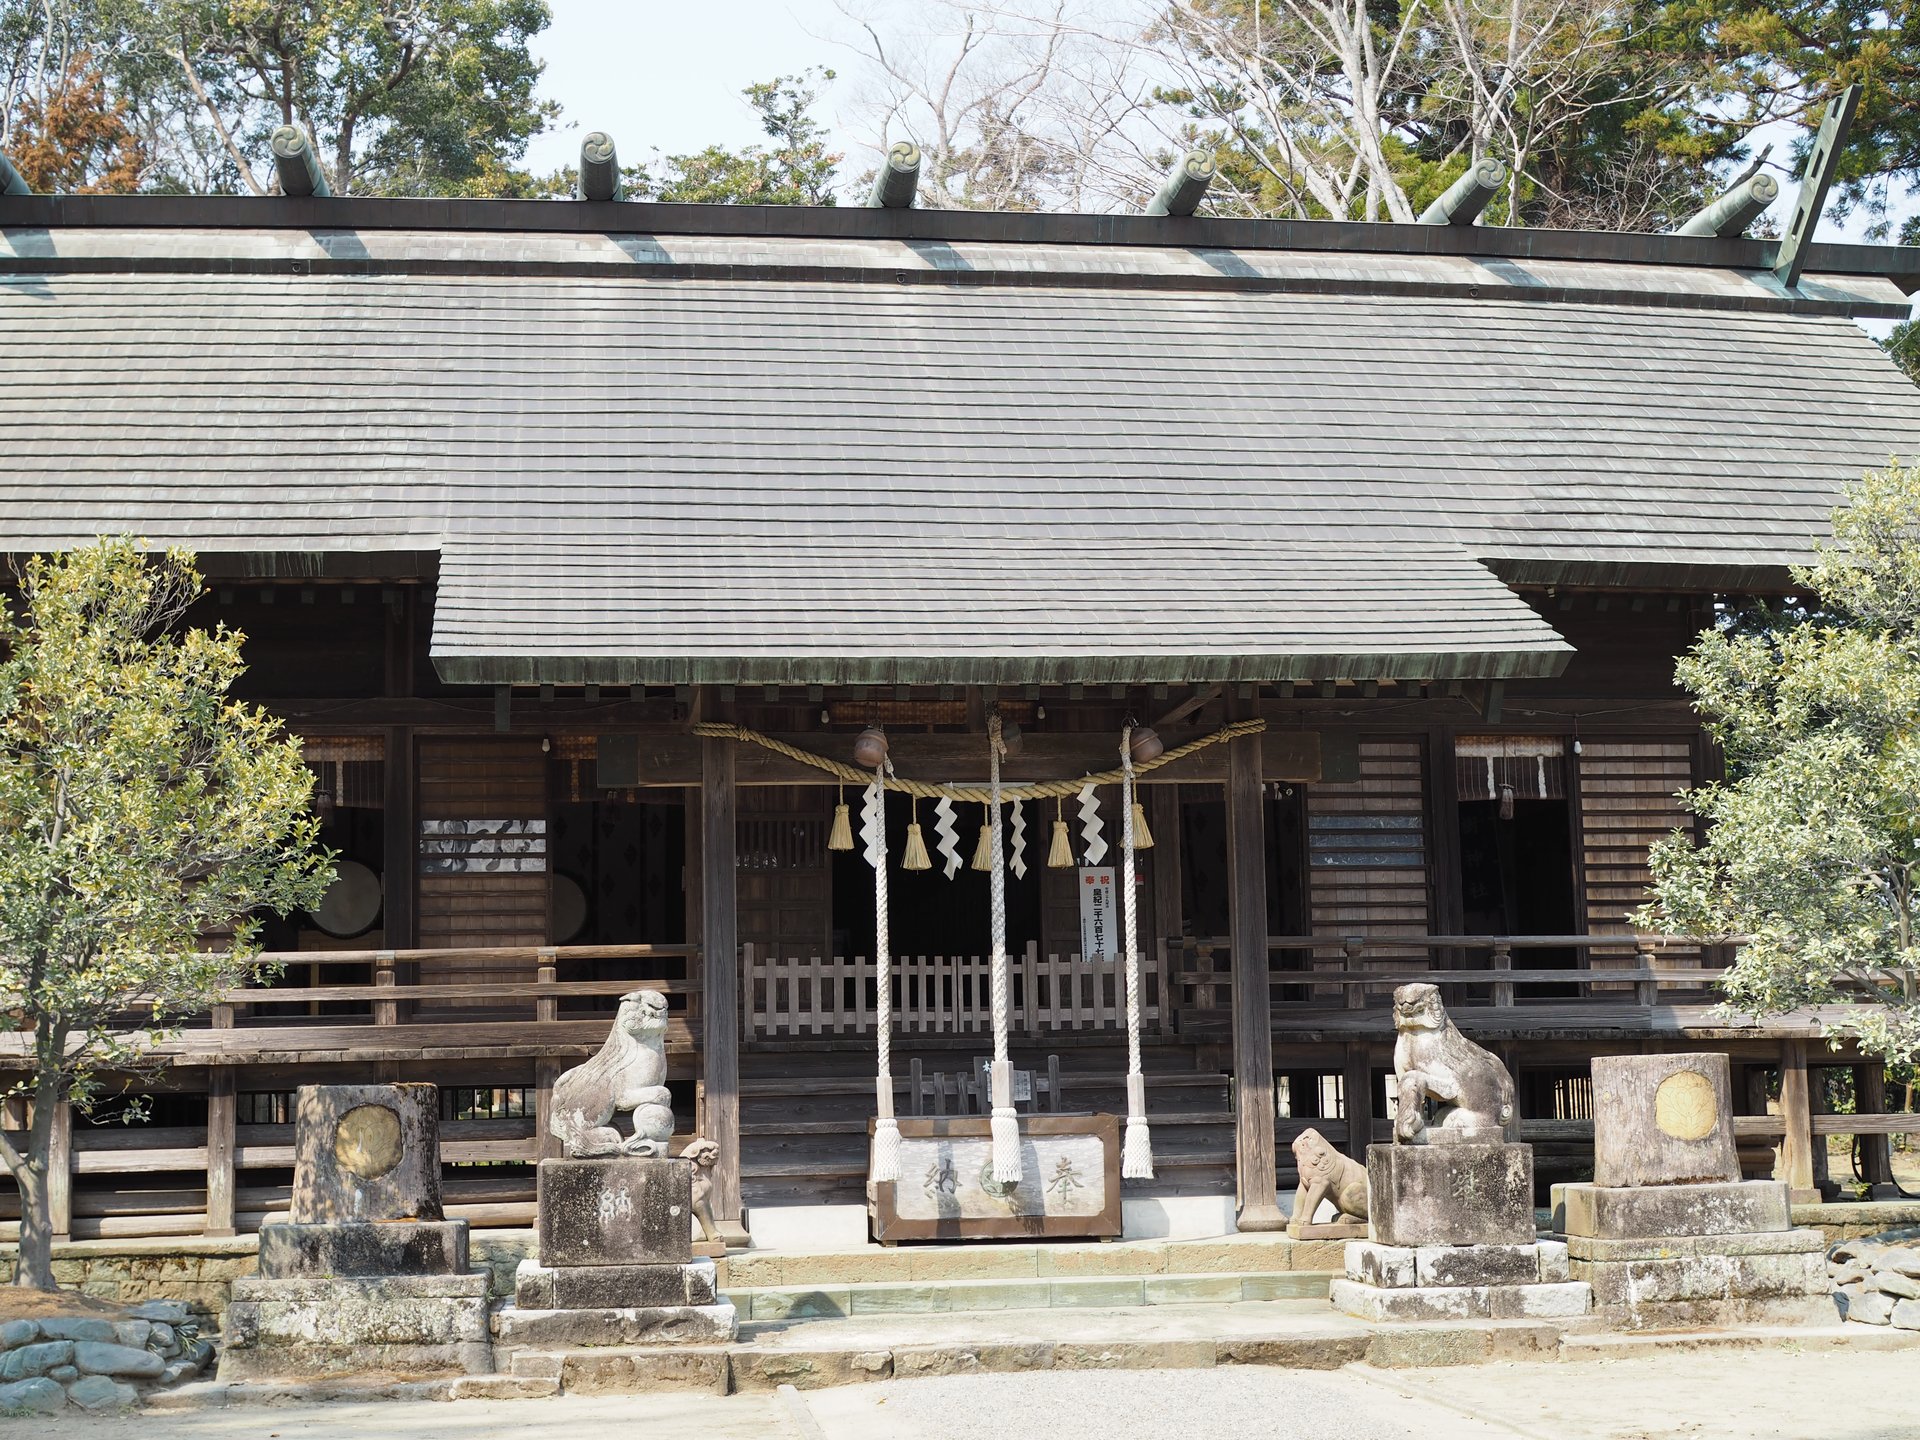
[1796, 1116]
[1200, 698]
[721, 975]
[1254, 1170]
[221, 1146]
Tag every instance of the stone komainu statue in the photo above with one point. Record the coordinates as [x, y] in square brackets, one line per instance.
[629, 1073]
[1326, 1174]
[1450, 1088]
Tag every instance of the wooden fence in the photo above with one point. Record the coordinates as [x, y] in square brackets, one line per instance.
[945, 994]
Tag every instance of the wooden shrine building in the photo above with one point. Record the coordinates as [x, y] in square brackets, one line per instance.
[509, 498]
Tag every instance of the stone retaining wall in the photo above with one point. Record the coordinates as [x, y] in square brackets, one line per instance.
[199, 1271]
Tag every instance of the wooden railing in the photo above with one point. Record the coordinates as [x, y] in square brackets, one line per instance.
[945, 994]
[530, 1004]
[1320, 972]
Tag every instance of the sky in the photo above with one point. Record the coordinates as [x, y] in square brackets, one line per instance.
[668, 76]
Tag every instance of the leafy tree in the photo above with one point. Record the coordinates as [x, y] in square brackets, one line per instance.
[1903, 346]
[400, 97]
[797, 169]
[1813, 850]
[141, 811]
[75, 140]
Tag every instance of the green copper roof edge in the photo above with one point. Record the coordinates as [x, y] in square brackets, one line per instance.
[1544, 661]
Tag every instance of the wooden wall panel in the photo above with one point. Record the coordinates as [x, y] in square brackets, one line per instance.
[783, 868]
[1367, 848]
[1627, 790]
[502, 898]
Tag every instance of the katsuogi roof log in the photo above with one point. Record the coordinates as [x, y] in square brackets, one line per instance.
[898, 180]
[299, 167]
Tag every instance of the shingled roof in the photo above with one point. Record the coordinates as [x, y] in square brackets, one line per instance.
[959, 452]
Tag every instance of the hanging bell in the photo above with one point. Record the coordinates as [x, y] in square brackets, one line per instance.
[840, 837]
[1142, 836]
[1060, 852]
[870, 747]
[983, 851]
[915, 856]
[1146, 745]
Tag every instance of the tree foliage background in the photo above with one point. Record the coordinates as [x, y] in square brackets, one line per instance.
[142, 811]
[1608, 113]
[1812, 849]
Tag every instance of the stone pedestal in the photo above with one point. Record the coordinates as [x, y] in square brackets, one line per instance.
[368, 1277]
[1453, 1239]
[616, 1262]
[1450, 1194]
[1670, 1236]
[398, 1247]
[1668, 1256]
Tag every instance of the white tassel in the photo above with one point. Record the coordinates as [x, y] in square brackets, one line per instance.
[886, 1150]
[1005, 1126]
[1006, 1147]
[1136, 1151]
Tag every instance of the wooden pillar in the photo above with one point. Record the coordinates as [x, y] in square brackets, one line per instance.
[222, 1147]
[545, 1143]
[1796, 1115]
[1870, 1098]
[720, 998]
[60, 1174]
[1254, 1176]
[1357, 1084]
[400, 842]
[1817, 1105]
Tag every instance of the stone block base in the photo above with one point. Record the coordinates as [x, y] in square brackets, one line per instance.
[1402, 1267]
[1459, 1282]
[1450, 1194]
[1698, 1284]
[612, 1287]
[399, 1247]
[517, 1329]
[1566, 1300]
[1656, 1212]
[301, 1328]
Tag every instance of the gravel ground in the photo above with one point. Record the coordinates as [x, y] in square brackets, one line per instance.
[1778, 1393]
[1220, 1404]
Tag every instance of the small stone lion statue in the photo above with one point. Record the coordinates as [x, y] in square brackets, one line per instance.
[629, 1073]
[1451, 1090]
[704, 1155]
[1326, 1174]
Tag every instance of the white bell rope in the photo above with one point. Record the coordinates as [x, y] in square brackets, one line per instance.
[1136, 1152]
[1005, 1123]
[886, 1130]
[1094, 850]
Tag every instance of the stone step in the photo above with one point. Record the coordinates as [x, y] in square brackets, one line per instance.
[1300, 1334]
[1252, 1254]
[910, 1297]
